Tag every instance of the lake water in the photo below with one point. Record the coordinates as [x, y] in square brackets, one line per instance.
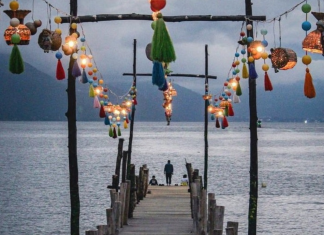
[34, 172]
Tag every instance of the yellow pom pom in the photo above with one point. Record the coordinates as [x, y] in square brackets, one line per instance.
[306, 59]
[14, 5]
[95, 70]
[265, 67]
[73, 25]
[89, 65]
[58, 20]
[58, 31]
[264, 55]
[101, 81]
[237, 62]
[251, 59]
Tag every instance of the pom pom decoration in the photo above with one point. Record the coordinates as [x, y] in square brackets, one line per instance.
[114, 132]
[107, 121]
[238, 91]
[217, 123]
[230, 109]
[157, 5]
[162, 46]
[16, 63]
[119, 131]
[84, 78]
[267, 83]
[111, 133]
[252, 72]
[96, 102]
[158, 74]
[60, 73]
[102, 112]
[91, 91]
[76, 72]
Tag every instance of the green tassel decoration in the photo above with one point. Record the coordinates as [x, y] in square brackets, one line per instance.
[162, 46]
[111, 134]
[16, 63]
[119, 131]
[238, 89]
[245, 73]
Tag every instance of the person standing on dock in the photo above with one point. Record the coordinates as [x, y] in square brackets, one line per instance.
[168, 171]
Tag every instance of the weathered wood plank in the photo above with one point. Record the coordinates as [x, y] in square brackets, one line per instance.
[166, 210]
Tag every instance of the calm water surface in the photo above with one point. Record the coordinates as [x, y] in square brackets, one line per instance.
[34, 172]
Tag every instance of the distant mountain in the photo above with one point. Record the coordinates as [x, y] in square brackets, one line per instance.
[34, 96]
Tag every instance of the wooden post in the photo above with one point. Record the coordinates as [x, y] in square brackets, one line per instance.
[117, 213]
[219, 217]
[122, 199]
[127, 202]
[111, 221]
[231, 224]
[103, 230]
[206, 119]
[137, 179]
[230, 231]
[145, 179]
[140, 184]
[113, 196]
[91, 232]
[217, 232]
[132, 199]
[203, 211]
[72, 141]
[211, 211]
[125, 154]
[116, 177]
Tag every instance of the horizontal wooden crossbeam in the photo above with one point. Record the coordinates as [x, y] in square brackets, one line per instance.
[133, 16]
[173, 75]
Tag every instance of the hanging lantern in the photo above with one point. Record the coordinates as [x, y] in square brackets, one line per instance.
[207, 97]
[21, 29]
[157, 5]
[49, 40]
[256, 48]
[313, 42]
[283, 58]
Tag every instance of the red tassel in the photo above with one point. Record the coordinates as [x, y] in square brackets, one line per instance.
[217, 123]
[134, 101]
[230, 110]
[127, 120]
[309, 89]
[225, 122]
[60, 74]
[102, 113]
[267, 82]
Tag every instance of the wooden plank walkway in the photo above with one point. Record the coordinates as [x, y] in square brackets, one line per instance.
[166, 210]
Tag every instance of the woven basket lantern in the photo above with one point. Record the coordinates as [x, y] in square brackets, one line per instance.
[55, 37]
[312, 42]
[283, 58]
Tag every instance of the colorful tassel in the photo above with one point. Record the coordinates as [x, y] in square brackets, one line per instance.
[225, 122]
[158, 74]
[111, 134]
[217, 123]
[76, 72]
[165, 86]
[16, 63]
[96, 102]
[162, 46]
[125, 124]
[236, 99]
[102, 112]
[129, 116]
[226, 110]
[114, 133]
[134, 102]
[212, 117]
[245, 73]
[91, 91]
[119, 131]
[127, 120]
[238, 91]
[309, 89]
[84, 78]
[60, 74]
[230, 110]
[252, 73]
[107, 121]
[267, 83]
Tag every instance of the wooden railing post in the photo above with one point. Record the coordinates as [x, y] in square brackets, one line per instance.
[231, 224]
[91, 232]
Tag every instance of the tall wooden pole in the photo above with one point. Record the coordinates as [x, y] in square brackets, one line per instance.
[253, 201]
[206, 120]
[72, 142]
[130, 142]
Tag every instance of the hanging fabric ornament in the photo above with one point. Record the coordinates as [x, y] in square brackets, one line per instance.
[245, 73]
[111, 133]
[107, 121]
[96, 102]
[165, 86]
[84, 78]
[217, 123]
[114, 131]
[76, 72]
[119, 131]
[309, 89]
[60, 74]
[267, 83]
[238, 91]
[102, 112]
[236, 99]
[162, 46]
[226, 110]
[224, 123]
[230, 109]
[158, 74]
[252, 73]
[91, 91]
[212, 117]
[125, 124]
[129, 116]
[16, 63]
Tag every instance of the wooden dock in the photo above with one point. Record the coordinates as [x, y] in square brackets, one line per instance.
[165, 210]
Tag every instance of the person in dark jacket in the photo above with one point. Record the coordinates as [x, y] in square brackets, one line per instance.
[153, 181]
[168, 171]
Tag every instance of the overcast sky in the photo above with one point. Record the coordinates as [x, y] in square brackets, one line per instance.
[111, 42]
